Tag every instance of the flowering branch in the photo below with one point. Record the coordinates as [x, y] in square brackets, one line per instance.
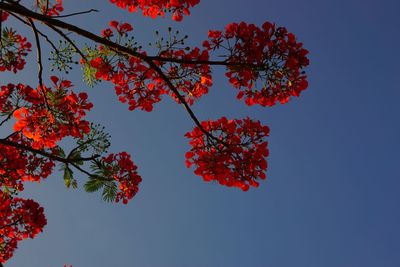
[264, 63]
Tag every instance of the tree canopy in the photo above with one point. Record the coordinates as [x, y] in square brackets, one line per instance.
[264, 63]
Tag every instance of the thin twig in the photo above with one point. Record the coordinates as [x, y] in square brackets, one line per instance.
[47, 7]
[76, 13]
[39, 61]
[84, 171]
[63, 35]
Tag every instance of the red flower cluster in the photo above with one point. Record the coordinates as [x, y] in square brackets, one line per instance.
[135, 83]
[191, 80]
[264, 63]
[50, 9]
[19, 219]
[236, 156]
[47, 120]
[13, 50]
[140, 86]
[155, 8]
[124, 171]
[269, 57]
[19, 166]
[13, 167]
[41, 122]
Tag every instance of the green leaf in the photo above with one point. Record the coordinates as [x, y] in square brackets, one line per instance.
[93, 185]
[74, 184]
[110, 192]
[68, 179]
[89, 73]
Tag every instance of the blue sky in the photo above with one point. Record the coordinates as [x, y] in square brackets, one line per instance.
[332, 193]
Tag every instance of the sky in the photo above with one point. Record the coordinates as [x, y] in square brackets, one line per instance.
[332, 194]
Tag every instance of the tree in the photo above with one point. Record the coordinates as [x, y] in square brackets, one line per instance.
[265, 64]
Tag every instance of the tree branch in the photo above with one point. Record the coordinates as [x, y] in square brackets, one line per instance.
[44, 153]
[203, 62]
[53, 23]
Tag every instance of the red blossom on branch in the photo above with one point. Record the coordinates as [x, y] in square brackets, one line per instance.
[265, 63]
[121, 169]
[48, 8]
[19, 219]
[191, 80]
[141, 86]
[135, 83]
[19, 166]
[237, 155]
[47, 120]
[155, 8]
[14, 48]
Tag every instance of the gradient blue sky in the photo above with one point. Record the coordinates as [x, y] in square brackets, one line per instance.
[332, 195]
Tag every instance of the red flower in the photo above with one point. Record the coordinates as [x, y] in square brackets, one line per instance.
[107, 33]
[124, 28]
[114, 24]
